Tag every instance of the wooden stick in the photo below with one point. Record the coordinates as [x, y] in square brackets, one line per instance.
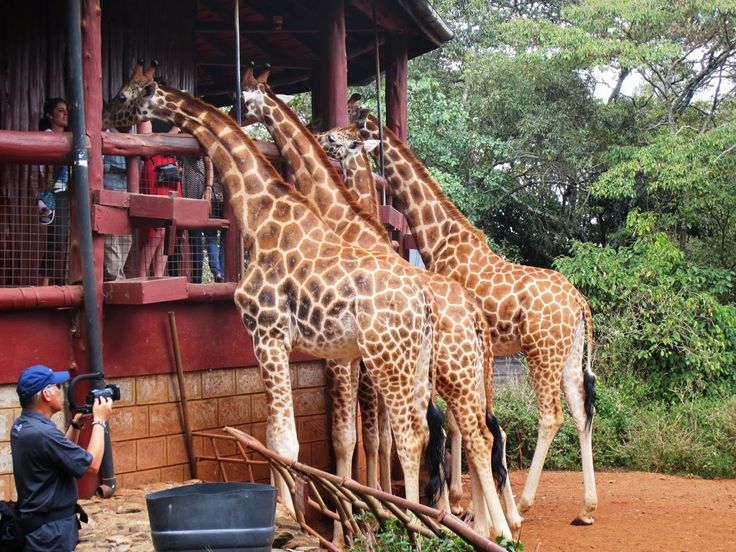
[182, 395]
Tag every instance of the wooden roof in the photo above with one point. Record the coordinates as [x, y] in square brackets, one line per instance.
[285, 33]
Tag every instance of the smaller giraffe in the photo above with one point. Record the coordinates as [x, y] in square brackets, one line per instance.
[305, 288]
[535, 311]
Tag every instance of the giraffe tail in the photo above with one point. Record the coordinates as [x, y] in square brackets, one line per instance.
[497, 460]
[588, 375]
[497, 465]
[435, 453]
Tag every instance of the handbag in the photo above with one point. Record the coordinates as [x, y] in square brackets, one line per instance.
[168, 173]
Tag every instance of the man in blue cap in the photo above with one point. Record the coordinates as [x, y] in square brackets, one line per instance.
[47, 463]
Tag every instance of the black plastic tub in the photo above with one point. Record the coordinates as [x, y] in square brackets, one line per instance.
[213, 516]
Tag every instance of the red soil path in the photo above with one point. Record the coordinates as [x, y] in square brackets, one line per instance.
[636, 511]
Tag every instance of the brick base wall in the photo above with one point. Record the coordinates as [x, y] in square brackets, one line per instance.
[147, 432]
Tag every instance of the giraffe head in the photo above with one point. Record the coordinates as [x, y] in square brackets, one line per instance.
[257, 96]
[140, 99]
[344, 144]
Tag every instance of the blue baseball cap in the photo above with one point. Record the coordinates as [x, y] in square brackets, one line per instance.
[38, 377]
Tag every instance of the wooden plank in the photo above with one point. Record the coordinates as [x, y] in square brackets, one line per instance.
[142, 291]
[110, 220]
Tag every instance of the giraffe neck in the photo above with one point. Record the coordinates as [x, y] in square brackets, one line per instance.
[318, 180]
[253, 185]
[435, 222]
[358, 173]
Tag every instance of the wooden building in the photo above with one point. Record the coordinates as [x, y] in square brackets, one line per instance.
[321, 46]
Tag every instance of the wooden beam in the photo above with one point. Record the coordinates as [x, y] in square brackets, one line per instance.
[385, 18]
[397, 78]
[276, 62]
[335, 75]
[266, 28]
[175, 144]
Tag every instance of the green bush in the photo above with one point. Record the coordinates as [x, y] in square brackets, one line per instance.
[697, 436]
[658, 318]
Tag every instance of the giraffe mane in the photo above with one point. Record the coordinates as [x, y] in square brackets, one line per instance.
[265, 165]
[346, 193]
[424, 175]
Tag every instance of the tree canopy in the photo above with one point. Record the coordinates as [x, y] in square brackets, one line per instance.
[598, 136]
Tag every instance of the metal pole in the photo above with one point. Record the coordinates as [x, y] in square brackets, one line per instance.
[238, 114]
[378, 99]
[80, 181]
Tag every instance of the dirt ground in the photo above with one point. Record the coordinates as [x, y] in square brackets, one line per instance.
[637, 511]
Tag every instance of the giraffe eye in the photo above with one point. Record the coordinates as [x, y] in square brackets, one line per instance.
[331, 138]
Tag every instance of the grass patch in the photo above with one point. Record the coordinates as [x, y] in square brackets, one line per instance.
[696, 436]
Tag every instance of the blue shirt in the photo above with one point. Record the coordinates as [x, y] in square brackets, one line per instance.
[114, 177]
[46, 464]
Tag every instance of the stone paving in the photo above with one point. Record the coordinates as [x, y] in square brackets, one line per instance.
[120, 524]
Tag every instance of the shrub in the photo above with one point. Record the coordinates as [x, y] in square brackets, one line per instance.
[658, 317]
[695, 436]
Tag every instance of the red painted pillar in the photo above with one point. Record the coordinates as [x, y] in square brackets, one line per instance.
[334, 86]
[397, 75]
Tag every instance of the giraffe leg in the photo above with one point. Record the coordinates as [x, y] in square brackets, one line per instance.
[550, 421]
[456, 485]
[410, 430]
[385, 444]
[281, 437]
[368, 399]
[573, 386]
[478, 445]
[342, 382]
[481, 520]
[512, 513]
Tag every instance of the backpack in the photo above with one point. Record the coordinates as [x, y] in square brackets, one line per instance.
[12, 537]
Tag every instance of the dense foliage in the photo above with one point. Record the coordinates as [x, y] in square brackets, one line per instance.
[598, 137]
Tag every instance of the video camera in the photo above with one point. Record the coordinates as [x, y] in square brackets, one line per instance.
[111, 390]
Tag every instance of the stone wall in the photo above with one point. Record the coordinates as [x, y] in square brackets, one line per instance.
[146, 428]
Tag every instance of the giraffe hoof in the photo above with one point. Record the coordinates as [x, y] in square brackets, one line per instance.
[582, 520]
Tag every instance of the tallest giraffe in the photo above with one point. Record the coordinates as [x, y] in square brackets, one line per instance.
[531, 310]
[305, 288]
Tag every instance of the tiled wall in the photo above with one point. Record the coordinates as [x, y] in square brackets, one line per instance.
[147, 434]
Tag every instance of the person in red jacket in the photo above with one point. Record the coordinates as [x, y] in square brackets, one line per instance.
[160, 176]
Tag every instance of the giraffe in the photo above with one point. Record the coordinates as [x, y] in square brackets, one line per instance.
[464, 339]
[358, 176]
[305, 288]
[535, 311]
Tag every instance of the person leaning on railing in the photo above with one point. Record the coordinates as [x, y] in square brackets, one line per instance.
[54, 199]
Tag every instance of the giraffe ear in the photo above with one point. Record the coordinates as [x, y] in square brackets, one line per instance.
[354, 99]
[286, 98]
[370, 145]
[149, 90]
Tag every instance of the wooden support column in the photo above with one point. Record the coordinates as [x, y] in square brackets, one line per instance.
[397, 75]
[334, 87]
